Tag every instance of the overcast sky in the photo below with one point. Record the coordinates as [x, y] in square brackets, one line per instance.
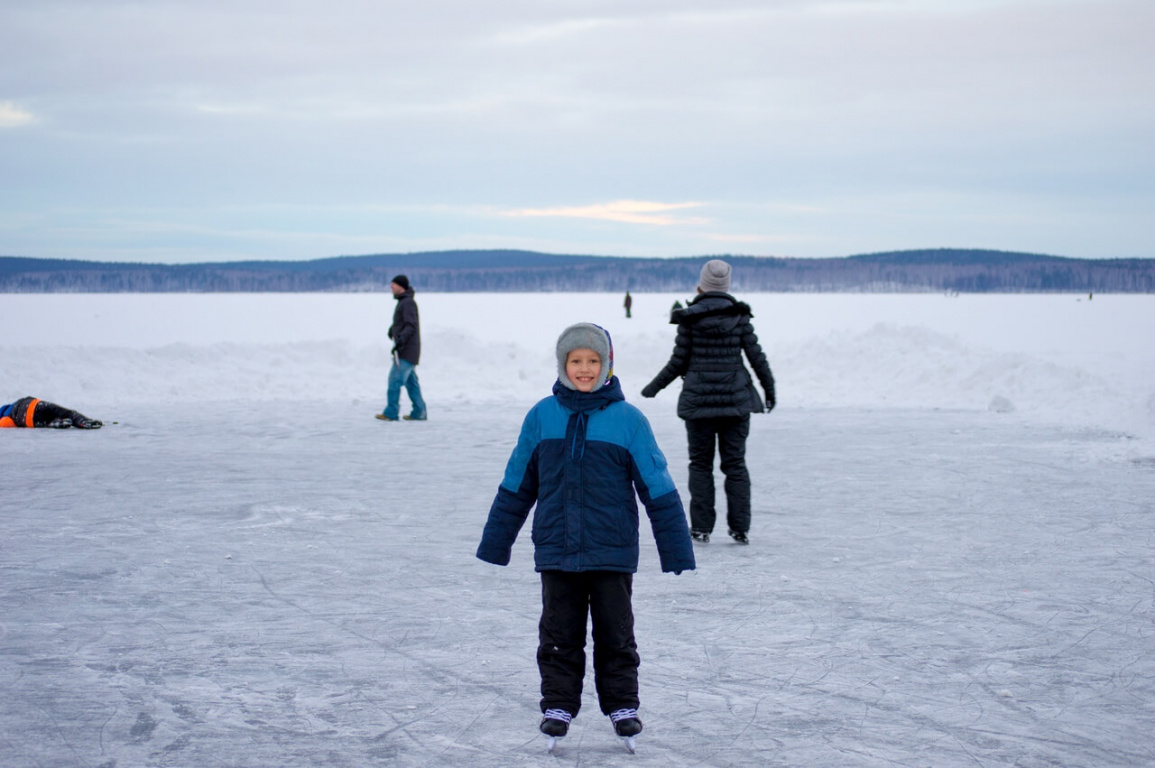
[206, 130]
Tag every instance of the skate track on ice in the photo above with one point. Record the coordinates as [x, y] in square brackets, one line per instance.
[951, 591]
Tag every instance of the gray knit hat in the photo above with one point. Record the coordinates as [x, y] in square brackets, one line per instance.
[585, 336]
[715, 277]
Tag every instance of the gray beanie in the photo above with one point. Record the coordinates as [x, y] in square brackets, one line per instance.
[585, 336]
[715, 277]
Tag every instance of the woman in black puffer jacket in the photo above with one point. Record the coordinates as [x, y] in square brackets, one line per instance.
[718, 396]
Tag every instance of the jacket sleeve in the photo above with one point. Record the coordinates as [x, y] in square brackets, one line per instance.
[758, 362]
[677, 366]
[515, 497]
[663, 505]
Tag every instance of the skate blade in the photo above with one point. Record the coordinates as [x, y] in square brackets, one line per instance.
[631, 744]
[552, 745]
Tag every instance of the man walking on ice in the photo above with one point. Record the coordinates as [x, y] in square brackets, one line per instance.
[406, 335]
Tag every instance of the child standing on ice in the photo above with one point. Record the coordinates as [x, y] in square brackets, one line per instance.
[580, 457]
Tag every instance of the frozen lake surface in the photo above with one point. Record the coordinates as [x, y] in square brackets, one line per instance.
[248, 570]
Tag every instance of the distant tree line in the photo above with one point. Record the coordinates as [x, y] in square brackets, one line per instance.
[941, 270]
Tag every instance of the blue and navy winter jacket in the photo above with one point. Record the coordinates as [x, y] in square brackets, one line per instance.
[579, 457]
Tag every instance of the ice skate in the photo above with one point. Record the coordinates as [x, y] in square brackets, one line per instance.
[739, 537]
[700, 536]
[555, 725]
[628, 726]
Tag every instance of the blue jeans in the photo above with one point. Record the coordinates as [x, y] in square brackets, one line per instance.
[404, 372]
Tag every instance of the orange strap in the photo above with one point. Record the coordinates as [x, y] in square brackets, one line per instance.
[7, 422]
[30, 410]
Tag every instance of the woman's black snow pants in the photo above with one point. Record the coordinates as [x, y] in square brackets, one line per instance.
[566, 600]
[730, 433]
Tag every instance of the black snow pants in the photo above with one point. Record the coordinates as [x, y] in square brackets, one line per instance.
[566, 600]
[730, 434]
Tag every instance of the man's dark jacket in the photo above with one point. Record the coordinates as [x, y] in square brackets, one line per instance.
[406, 328]
[713, 333]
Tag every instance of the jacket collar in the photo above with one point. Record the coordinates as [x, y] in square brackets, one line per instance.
[710, 304]
[585, 402]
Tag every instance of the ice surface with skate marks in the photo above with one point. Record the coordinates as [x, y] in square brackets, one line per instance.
[249, 570]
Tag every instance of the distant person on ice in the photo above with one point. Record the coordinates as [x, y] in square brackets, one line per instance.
[580, 457]
[717, 397]
[32, 412]
[629, 303]
[406, 335]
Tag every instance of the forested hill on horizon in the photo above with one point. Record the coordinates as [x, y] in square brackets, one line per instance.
[937, 270]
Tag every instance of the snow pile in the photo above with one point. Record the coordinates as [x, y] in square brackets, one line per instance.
[1049, 358]
[918, 368]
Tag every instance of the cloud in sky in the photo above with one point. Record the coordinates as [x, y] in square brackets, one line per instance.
[626, 211]
[811, 127]
[12, 116]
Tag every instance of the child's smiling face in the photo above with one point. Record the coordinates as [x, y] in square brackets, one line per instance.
[584, 369]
